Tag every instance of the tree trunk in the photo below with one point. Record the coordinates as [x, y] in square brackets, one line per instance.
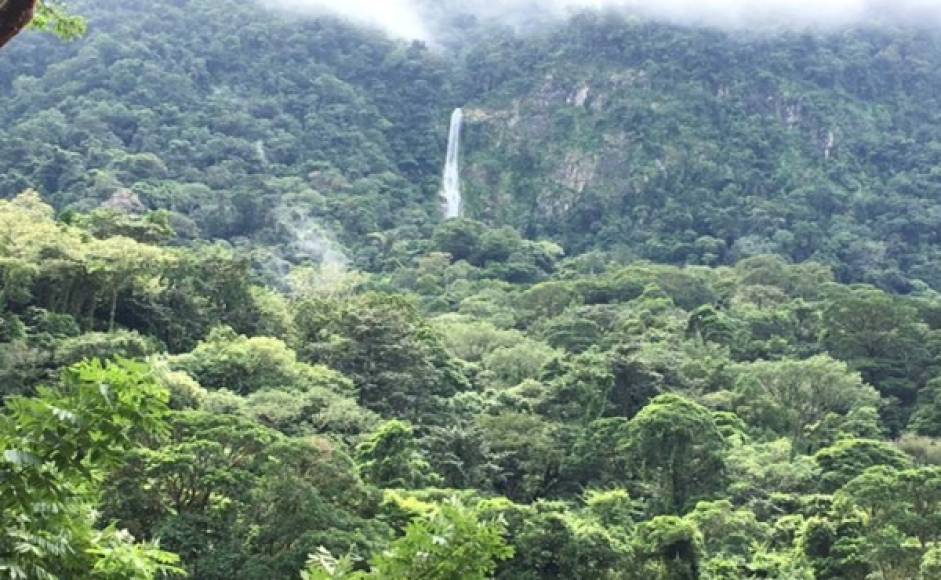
[14, 16]
[114, 308]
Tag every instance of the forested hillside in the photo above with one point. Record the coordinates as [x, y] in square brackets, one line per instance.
[679, 145]
[704, 147]
[689, 328]
[282, 131]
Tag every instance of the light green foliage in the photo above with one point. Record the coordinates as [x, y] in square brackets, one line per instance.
[930, 564]
[185, 392]
[791, 396]
[316, 410]
[104, 223]
[848, 458]
[727, 530]
[451, 543]
[678, 446]
[165, 293]
[510, 365]
[53, 16]
[248, 365]
[472, 341]
[757, 470]
[552, 540]
[57, 448]
[883, 523]
[614, 508]
[922, 450]
[107, 345]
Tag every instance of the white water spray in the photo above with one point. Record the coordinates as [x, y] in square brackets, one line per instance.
[451, 182]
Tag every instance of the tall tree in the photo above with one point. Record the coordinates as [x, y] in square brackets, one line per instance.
[678, 445]
[799, 393]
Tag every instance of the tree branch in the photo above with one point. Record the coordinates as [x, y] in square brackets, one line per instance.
[14, 16]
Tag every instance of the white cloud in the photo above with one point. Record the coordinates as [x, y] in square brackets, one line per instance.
[404, 18]
[399, 18]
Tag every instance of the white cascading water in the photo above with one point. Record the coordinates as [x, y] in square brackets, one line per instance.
[451, 182]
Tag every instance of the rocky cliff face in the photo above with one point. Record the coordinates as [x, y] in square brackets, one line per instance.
[723, 141]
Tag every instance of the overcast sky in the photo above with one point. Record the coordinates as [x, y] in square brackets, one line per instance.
[403, 18]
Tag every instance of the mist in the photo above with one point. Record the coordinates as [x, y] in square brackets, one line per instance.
[399, 18]
[414, 19]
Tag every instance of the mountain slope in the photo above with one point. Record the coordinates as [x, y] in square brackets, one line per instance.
[601, 132]
[222, 111]
[697, 146]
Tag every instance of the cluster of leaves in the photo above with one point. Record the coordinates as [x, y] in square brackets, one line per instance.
[57, 449]
[53, 16]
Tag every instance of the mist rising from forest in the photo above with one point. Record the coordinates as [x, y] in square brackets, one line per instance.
[416, 19]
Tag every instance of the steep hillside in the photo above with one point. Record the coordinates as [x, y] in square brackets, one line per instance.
[697, 146]
[225, 112]
[685, 146]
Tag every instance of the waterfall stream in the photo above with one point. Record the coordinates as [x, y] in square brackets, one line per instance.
[451, 181]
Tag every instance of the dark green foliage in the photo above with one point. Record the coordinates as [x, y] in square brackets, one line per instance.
[354, 113]
[926, 419]
[674, 543]
[397, 363]
[390, 458]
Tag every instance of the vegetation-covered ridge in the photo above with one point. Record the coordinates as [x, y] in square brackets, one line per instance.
[319, 140]
[490, 410]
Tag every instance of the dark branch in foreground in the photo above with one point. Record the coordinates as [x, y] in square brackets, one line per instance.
[14, 16]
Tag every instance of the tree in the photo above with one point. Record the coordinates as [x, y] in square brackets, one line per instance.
[526, 450]
[117, 263]
[926, 420]
[553, 539]
[190, 490]
[396, 360]
[798, 394]
[390, 458]
[677, 445]
[908, 500]
[452, 543]
[880, 336]
[57, 448]
[674, 544]
[227, 360]
[930, 564]
[849, 458]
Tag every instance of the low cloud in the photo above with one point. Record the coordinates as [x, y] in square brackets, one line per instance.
[399, 18]
[414, 19]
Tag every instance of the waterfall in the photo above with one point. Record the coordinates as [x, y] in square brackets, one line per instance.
[451, 181]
